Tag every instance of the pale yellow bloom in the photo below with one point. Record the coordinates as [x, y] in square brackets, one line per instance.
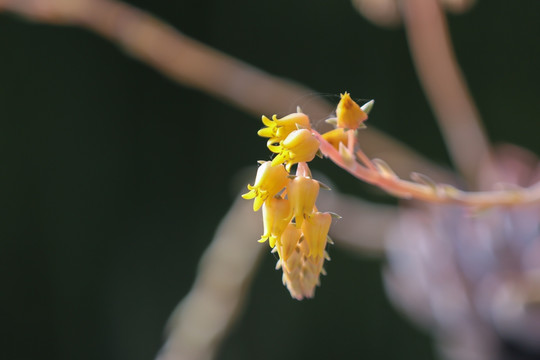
[288, 242]
[298, 146]
[315, 229]
[302, 192]
[349, 114]
[277, 215]
[269, 181]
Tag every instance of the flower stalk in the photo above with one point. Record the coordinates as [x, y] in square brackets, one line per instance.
[293, 225]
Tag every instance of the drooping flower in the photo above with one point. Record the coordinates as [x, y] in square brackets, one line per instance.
[278, 129]
[349, 114]
[288, 242]
[298, 146]
[302, 191]
[276, 216]
[315, 229]
[269, 181]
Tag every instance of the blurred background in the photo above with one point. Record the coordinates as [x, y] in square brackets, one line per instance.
[113, 178]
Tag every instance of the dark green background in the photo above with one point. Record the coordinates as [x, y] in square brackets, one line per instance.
[113, 178]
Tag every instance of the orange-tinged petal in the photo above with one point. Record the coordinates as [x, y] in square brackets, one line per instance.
[289, 239]
[315, 229]
[349, 114]
[335, 137]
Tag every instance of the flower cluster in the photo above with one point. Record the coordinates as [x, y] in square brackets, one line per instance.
[293, 226]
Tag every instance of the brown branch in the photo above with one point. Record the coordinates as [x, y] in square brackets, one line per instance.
[445, 86]
[196, 65]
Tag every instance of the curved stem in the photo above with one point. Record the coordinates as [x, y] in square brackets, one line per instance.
[387, 180]
[445, 86]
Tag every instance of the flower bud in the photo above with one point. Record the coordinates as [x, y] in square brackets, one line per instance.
[349, 114]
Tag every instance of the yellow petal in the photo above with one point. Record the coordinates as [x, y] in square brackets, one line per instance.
[249, 195]
[257, 203]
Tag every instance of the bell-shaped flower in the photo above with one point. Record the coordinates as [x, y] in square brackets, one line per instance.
[277, 215]
[302, 192]
[315, 229]
[288, 242]
[299, 146]
[335, 137]
[278, 129]
[269, 181]
[349, 114]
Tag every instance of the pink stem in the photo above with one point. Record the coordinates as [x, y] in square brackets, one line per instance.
[302, 169]
[439, 193]
[445, 86]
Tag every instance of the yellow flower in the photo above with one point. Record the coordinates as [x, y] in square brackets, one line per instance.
[278, 129]
[301, 272]
[336, 136]
[288, 242]
[300, 245]
[299, 146]
[276, 216]
[302, 192]
[349, 114]
[269, 181]
[315, 229]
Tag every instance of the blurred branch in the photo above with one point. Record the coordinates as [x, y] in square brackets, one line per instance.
[196, 65]
[203, 317]
[386, 12]
[201, 320]
[445, 86]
